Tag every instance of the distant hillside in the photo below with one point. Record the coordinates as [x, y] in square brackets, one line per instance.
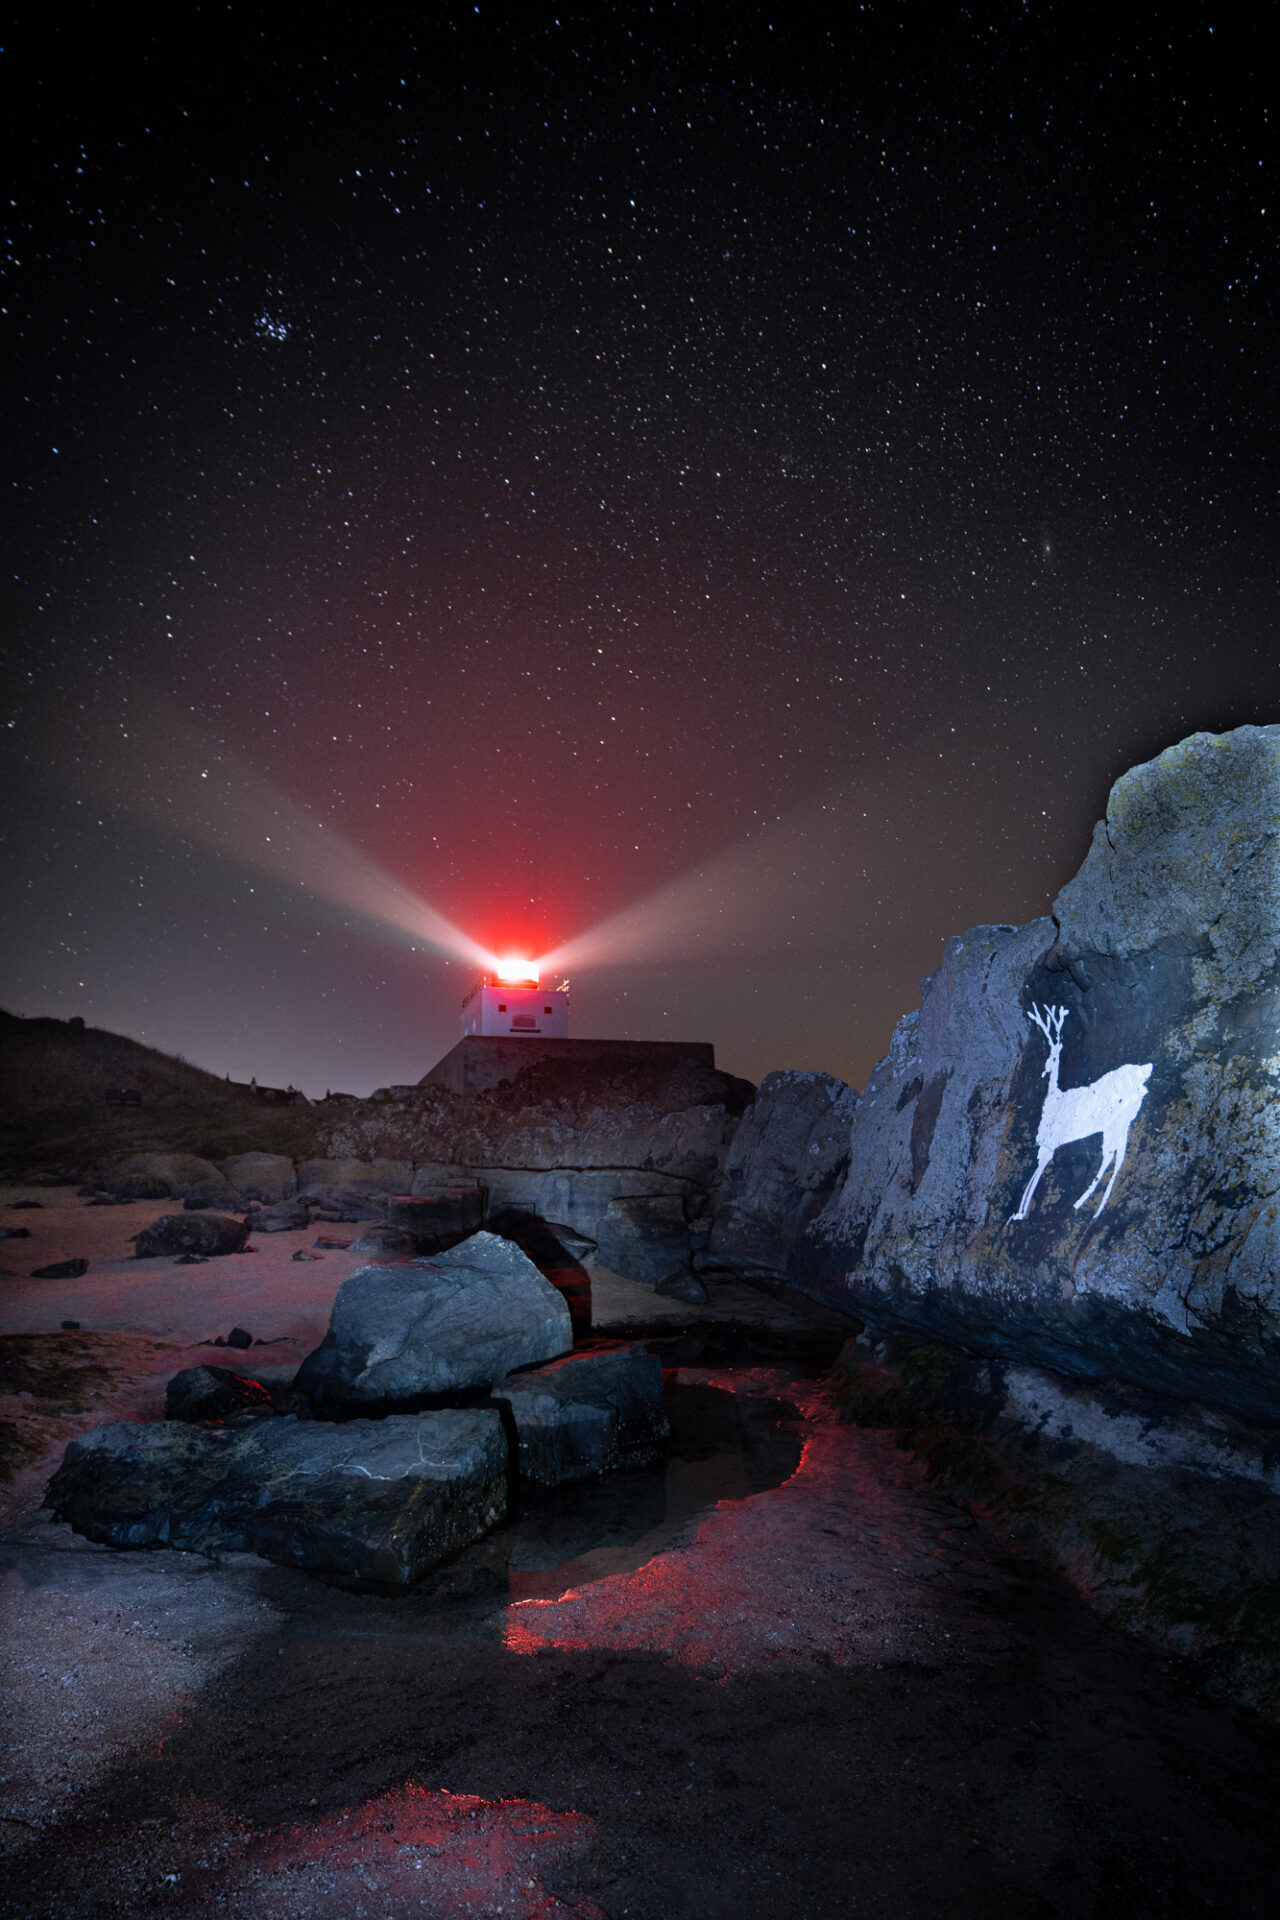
[64, 1063]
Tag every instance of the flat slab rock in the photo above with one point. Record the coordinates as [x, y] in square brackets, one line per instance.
[444, 1215]
[366, 1504]
[403, 1334]
[592, 1413]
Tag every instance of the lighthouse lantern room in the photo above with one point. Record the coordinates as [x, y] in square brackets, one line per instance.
[512, 1004]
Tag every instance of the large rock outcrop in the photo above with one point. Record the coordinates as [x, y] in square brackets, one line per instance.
[564, 1142]
[1070, 1154]
[788, 1155]
[364, 1504]
[400, 1335]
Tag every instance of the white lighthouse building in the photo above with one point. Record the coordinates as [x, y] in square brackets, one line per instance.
[512, 1005]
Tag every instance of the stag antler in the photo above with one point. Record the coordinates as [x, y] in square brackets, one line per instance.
[1050, 1021]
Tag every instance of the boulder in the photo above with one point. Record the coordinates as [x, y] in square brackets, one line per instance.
[204, 1233]
[165, 1176]
[213, 1393]
[264, 1177]
[789, 1153]
[283, 1216]
[1069, 1156]
[400, 1335]
[644, 1238]
[591, 1413]
[438, 1219]
[373, 1504]
[328, 1178]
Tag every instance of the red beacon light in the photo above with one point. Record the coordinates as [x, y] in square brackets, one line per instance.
[514, 972]
[510, 1004]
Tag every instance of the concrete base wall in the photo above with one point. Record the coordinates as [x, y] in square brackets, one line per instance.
[479, 1062]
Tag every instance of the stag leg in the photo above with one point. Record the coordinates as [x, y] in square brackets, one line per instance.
[1030, 1188]
[1113, 1157]
[1107, 1152]
[1119, 1150]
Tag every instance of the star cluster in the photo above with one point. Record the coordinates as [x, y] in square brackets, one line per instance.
[575, 453]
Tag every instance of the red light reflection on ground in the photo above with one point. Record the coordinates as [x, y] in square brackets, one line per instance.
[835, 1565]
[418, 1852]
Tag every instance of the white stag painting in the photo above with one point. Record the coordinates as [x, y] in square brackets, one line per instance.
[1109, 1107]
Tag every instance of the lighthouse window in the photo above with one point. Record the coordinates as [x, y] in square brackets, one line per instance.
[502, 1006]
[546, 1009]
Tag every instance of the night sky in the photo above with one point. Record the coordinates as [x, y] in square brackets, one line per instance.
[704, 497]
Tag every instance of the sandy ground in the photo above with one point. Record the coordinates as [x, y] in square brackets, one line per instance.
[783, 1677]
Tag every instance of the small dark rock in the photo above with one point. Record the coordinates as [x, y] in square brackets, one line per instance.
[25, 1206]
[173, 1233]
[238, 1337]
[683, 1286]
[332, 1244]
[15, 1233]
[61, 1270]
[71, 1326]
[213, 1393]
[383, 1240]
[302, 1254]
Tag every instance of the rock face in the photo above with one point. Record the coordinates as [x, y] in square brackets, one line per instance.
[788, 1155]
[365, 1504]
[204, 1233]
[400, 1335]
[1069, 1155]
[590, 1414]
[264, 1177]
